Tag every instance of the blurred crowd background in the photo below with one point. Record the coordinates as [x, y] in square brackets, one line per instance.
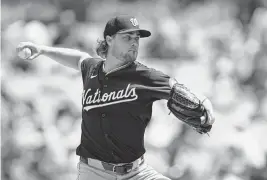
[215, 47]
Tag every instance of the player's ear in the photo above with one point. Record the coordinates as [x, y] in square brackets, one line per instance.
[108, 40]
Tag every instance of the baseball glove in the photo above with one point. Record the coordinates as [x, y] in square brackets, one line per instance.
[188, 108]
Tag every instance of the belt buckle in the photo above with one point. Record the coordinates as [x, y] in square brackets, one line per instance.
[130, 167]
[114, 169]
[125, 168]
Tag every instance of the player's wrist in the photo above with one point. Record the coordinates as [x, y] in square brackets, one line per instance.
[43, 49]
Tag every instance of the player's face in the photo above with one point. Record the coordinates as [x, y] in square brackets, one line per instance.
[125, 46]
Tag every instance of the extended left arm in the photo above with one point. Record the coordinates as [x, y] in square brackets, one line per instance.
[194, 110]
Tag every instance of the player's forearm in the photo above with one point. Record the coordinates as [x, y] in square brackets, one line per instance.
[65, 56]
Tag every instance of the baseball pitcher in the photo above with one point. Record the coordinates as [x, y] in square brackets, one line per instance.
[118, 93]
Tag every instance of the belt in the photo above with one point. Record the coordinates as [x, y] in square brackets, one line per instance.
[117, 168]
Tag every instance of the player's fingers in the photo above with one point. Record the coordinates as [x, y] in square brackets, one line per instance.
[208, 118]
[211, 118]
[207, 104]
[203, 119]
[23, 45]
[19, 48]
[34, 56]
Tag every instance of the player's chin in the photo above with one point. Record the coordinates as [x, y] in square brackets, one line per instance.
[132, 55]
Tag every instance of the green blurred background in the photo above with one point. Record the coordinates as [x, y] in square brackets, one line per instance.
[215, 47]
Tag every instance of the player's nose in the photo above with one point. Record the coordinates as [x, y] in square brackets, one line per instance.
[134, 46]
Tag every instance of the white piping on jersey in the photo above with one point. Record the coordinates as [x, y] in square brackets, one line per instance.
[87, 108]
[116, 69]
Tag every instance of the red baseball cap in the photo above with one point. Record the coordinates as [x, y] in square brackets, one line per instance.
[124, 24]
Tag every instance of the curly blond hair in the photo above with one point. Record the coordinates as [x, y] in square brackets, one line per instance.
[102, 48]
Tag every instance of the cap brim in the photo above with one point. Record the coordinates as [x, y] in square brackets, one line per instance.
[143, 33]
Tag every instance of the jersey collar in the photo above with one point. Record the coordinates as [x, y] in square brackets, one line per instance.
[116, 69]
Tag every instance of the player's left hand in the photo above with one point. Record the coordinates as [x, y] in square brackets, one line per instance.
[209, 119]
[194, 109]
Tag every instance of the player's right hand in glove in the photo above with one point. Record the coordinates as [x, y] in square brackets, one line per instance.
[28, 50]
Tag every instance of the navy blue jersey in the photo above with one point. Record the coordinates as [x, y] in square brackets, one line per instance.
[116, 108]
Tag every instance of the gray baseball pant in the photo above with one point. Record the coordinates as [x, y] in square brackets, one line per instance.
[94, 170]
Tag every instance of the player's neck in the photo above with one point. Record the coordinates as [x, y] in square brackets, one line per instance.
[112, 63]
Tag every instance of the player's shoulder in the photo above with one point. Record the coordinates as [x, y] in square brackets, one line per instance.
[144, 69]
[92, 60]
[89, 62]
[141, 67]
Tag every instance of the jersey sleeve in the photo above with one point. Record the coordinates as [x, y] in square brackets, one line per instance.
[158, 85]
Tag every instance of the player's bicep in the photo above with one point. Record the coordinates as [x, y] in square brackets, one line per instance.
[159, 84]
